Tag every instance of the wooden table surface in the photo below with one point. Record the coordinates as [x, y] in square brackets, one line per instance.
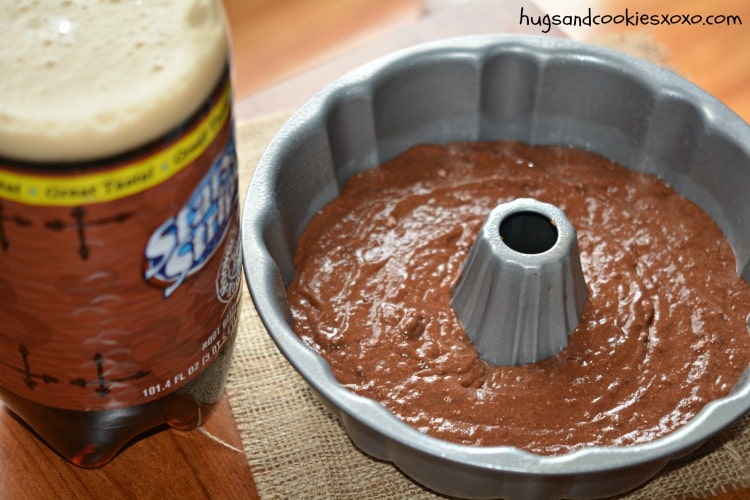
[714, 57]
[209, 462]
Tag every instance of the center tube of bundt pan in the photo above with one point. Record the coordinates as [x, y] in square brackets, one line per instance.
[521, 290]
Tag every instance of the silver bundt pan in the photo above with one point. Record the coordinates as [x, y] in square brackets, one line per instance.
[533, 89]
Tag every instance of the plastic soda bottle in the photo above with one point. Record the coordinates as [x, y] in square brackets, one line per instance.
[119, 223]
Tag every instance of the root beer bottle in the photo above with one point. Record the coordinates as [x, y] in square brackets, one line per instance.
[119, 223]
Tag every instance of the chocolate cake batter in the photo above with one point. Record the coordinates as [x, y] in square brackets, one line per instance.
[664, 330]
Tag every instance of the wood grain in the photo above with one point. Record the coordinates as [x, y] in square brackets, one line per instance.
[463, 18]
[273, 40]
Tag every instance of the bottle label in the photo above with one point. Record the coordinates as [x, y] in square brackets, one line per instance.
[186, 241]
[120, 279]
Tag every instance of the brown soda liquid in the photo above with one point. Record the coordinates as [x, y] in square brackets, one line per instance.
[120, 287]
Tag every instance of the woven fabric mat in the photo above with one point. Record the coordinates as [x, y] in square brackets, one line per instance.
[298, 449]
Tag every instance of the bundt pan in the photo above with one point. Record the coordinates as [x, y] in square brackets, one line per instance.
[532, 89]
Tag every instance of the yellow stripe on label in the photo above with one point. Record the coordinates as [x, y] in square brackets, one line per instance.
[123, 181]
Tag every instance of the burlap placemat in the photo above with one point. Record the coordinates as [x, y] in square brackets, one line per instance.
[298, 449]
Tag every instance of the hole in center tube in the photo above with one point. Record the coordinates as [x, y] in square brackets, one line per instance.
[528, 232]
